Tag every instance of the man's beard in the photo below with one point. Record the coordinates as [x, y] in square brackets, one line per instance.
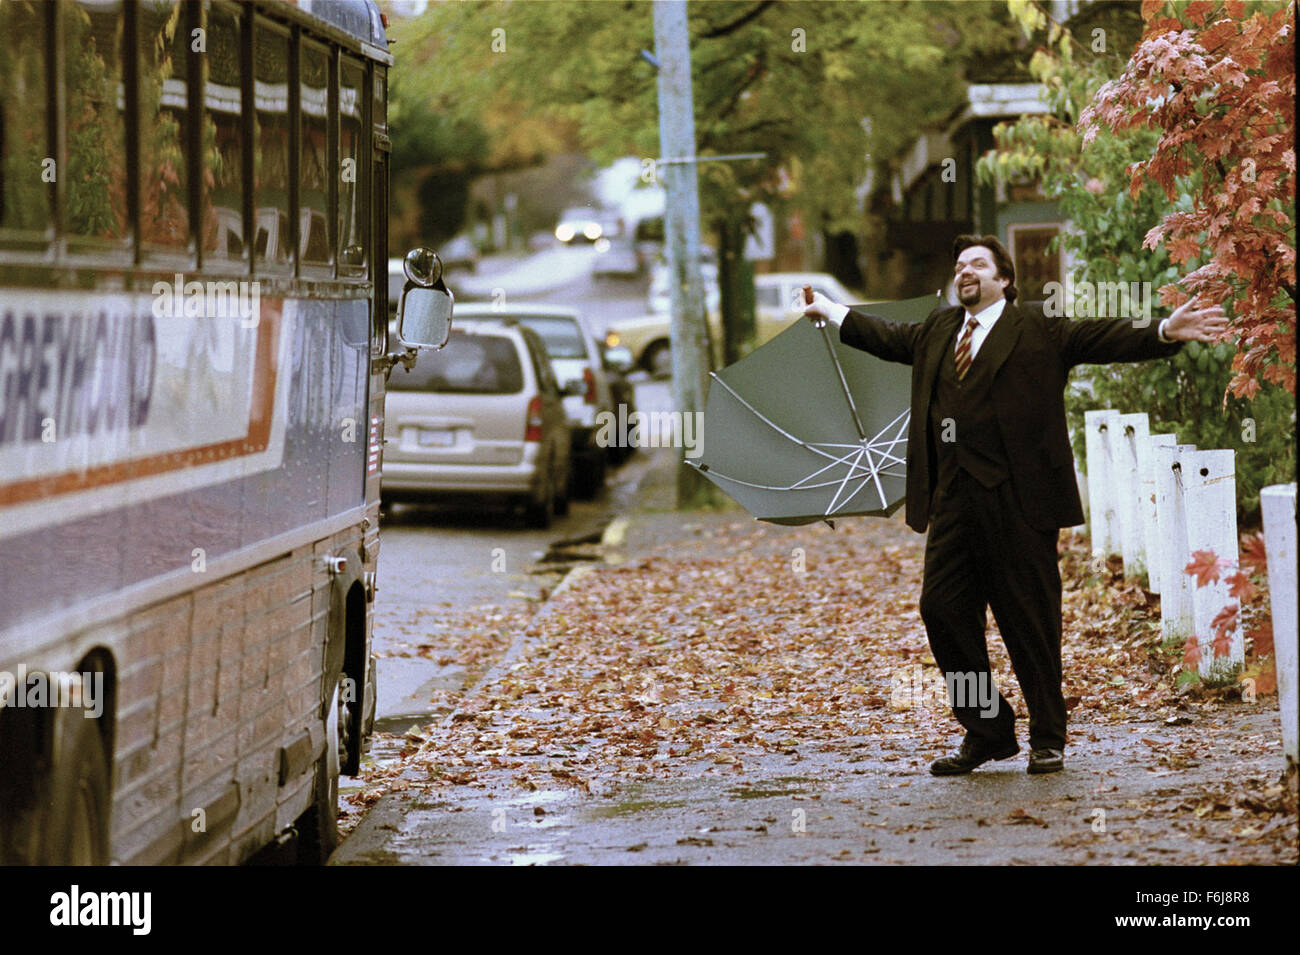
[970, 295]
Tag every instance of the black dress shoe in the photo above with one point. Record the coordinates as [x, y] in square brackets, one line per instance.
[970, 756]
[1046, 761]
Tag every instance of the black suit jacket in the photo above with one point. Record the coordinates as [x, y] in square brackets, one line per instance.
[1031, 356]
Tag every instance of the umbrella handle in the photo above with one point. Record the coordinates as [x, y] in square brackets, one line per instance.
[808, 300]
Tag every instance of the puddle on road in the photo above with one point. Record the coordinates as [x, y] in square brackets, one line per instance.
[768, 789]
[629, 807]
[401, 725]
[534, 855]
[538, 797]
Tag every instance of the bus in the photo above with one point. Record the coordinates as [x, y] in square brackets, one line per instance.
[194, 340]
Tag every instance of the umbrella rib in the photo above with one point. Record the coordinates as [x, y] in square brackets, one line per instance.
[843, 459]
[880, 488]
[798, 485]
[885, 448]
[879, 450]
[830, 508]
[844, 385]
[855, 494]
[767, 421]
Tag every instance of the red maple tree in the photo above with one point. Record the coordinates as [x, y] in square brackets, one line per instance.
[1220, 86]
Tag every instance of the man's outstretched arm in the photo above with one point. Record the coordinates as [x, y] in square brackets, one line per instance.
[1101, 342]
[892, 341]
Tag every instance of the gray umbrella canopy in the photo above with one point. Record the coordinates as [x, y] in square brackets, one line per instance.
[806, 429]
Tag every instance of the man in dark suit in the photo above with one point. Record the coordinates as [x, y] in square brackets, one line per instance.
[989, 473]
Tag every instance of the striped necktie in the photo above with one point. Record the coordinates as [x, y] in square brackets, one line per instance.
[963, 348]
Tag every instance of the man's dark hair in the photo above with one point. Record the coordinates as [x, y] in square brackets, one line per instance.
[1001, 258]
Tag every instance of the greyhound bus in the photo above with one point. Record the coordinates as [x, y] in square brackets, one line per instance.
[194, 341]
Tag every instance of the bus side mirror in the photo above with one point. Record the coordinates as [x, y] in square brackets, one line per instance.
[424, 319]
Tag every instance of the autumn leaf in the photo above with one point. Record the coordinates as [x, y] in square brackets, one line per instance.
[1254, 558]
[1262, 639]
[1241, 587]
[1264, 677]
[1229, 120]
[1224, 622]
[1205, 566]
[1192, 653]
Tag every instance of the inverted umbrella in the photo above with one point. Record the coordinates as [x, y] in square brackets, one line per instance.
[806, 429]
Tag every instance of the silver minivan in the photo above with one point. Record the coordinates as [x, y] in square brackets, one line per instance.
[576, 361]
[483, 417]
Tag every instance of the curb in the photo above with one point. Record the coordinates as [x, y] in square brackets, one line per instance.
[613, 535]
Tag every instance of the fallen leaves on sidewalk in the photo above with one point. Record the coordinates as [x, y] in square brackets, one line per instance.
[712, 653]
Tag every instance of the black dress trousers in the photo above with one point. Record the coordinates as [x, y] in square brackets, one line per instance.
[980, 553]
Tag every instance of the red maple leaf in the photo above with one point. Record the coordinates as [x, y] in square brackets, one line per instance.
[1196, 11]
[1192, 653]
[1266, 682]
[1205, 566]
[1261, 639]
[1233, 82]
[1241, 586]
[1225, 620]
[1254, 558]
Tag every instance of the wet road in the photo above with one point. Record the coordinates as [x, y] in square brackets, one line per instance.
[435, 561]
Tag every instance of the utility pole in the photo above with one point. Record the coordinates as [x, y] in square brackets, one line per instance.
[687, 328]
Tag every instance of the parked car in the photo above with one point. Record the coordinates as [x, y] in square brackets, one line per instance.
[617, 363]
[483, 417]
[646, 337]
[576, 361]
[459, 252]
[659, 298]
[618, 259]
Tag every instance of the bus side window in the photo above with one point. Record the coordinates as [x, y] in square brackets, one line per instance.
[24, 103]
[223, 141]
[352, 165]
[271, 146]
[95, 179]
[164, 123]
[379, 101]
[313, 187]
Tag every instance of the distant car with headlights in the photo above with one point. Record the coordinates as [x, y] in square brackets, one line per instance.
[775, 307]
[583, 224]
[575, 358]
[483, 418]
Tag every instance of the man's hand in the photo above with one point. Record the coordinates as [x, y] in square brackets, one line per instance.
[822, 309]
[1189, 323]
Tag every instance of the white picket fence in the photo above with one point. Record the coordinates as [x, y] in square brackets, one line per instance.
[1155, 502]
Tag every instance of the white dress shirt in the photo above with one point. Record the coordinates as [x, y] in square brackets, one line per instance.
[984, 322]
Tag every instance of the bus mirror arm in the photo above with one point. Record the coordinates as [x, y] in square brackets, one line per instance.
[406, 358]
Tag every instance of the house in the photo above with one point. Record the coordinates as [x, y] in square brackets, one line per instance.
[933, 195]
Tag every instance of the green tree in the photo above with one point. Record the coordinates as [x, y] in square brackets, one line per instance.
[824, 89]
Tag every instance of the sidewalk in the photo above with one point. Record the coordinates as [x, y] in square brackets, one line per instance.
[726, 691]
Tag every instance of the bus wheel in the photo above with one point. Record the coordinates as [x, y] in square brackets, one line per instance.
[347, 722]
[318, 827]
[77, 821]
